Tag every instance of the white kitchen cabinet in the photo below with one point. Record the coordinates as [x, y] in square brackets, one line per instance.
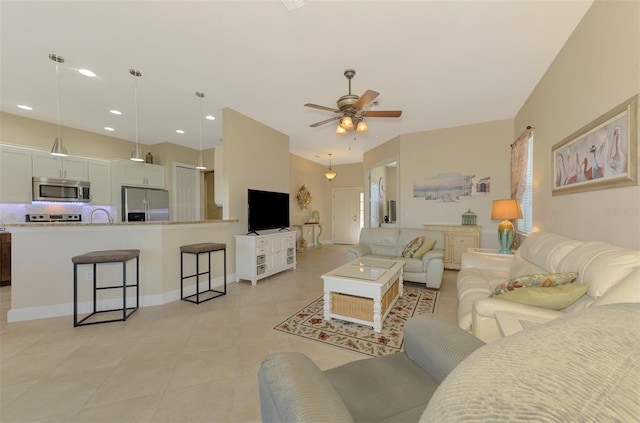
[15, 175]
[260, 256]
[457, 240]
[47, 166]
[100, 179]
[132, 173]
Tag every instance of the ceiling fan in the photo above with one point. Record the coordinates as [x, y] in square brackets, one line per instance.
[352, 110]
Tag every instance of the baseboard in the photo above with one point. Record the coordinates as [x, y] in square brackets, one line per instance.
[84, 307]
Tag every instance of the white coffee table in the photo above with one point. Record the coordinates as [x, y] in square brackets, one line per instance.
[363, 291]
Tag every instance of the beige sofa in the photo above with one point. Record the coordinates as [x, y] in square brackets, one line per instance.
[388, 243]
[612, 274]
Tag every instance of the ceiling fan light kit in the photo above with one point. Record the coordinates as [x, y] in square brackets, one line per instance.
[351, 110]
[346, 123]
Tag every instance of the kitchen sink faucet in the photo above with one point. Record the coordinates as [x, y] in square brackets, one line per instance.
[100, 209]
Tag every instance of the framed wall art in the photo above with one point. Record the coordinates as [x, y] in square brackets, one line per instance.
[600, 155]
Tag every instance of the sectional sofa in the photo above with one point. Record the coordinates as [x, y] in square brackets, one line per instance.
[612, 275]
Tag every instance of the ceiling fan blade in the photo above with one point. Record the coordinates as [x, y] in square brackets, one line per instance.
[382, 113]
[365, 99]
[315, 106]
[314, 125]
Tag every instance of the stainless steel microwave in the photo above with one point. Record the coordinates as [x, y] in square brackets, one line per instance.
[61, 190]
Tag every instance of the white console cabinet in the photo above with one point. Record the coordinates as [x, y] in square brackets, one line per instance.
[259, 256]
[457, 240]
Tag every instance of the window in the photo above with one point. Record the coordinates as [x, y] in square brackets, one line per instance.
[361, 210]
[525, 225]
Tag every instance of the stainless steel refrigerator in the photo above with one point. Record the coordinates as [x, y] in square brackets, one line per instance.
[144, 204]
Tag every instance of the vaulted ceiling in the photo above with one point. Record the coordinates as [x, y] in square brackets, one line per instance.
[444, 63]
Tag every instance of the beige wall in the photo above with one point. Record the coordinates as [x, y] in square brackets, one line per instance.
[303, 171]
[597, 69]
[19, 130]
[481, 149]
[33, 133]
[255, 156]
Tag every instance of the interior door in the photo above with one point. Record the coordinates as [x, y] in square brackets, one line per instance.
[346, 215]
[185, 198]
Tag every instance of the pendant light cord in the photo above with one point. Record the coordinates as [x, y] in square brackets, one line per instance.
[58, 95]
[135, 95]
[200, 120]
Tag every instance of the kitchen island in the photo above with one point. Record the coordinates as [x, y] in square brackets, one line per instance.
[42, 278]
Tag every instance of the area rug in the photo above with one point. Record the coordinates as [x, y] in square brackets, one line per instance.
[308, 323]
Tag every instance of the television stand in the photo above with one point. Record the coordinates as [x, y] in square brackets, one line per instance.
[260, 256]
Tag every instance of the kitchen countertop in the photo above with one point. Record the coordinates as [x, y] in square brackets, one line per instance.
[76, 224]
[46, 289]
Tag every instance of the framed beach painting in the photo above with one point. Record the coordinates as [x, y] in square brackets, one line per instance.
[600, 155]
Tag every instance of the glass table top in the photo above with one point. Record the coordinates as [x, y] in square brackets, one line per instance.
[368, 269]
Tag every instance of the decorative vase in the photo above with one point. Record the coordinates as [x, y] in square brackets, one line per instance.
[149, 158]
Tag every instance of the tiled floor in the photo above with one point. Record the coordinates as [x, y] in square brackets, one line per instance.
[178, 362]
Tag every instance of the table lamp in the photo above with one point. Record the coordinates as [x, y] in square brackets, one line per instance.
[505, 209]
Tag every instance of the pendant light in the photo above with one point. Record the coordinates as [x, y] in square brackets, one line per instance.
[200, 164]
[136, 155]
[58, 148]
[330, 174]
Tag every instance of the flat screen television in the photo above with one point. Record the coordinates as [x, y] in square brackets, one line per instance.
[267, 210]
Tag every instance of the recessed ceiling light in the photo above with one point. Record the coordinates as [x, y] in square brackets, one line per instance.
[87, 72]
[115, 112]
[25, 107]
[210, 117]
[179, 131]
[108, 128]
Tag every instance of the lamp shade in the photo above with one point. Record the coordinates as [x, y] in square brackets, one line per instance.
[362, 127]
[506, 209]
[346, 122]
[340, 130]
[58, 148]
[330, 174]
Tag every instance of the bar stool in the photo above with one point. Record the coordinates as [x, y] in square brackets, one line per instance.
[197, 249]
[109, 256]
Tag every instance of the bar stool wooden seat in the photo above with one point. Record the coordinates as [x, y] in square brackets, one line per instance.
[197, 249]
[99, 257]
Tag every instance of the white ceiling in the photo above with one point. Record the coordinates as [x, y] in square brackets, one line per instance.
[444, 63]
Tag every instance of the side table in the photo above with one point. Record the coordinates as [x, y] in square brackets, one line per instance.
[488, 252]
[315, 237]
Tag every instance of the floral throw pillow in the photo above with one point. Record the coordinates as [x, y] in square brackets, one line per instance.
[543, 280]
[413, 246]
